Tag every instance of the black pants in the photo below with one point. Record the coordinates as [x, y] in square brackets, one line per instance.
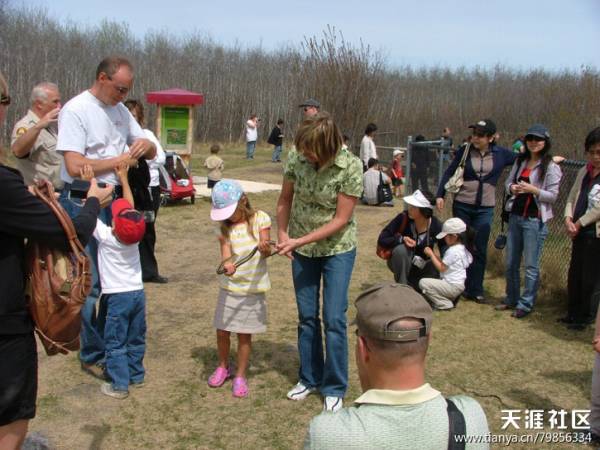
[147, 244]
[418, 178]
[584, 279]
[18, 377]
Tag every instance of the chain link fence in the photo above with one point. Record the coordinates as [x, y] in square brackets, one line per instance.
[424, 165]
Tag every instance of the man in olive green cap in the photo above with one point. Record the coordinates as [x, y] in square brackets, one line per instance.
[397, 409]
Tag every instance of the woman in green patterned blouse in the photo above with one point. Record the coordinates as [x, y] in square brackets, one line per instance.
[315, 215]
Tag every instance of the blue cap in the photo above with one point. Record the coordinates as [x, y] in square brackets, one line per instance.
[225, 197]
[538, 130]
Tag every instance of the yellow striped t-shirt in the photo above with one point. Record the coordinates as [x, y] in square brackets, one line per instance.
[252, 276]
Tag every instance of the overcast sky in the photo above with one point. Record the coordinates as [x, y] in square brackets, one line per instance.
[553, 34]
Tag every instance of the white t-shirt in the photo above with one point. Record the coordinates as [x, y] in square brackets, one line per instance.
[157, 161]
[96, 130]
[118, 264]
[457, 258]
[251, 131]
[367, 150]
[370, 183]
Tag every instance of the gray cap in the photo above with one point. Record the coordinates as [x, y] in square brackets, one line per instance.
[380, 306]
[310, 102]
[538, 130]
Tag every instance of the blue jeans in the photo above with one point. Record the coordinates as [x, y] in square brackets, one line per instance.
[92, 325]
[329, 373]
[480, 219]
[250, 147]
[525, 240]
[125, 338]
[276, 153]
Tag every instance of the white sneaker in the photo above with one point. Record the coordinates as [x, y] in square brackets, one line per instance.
[107, 389]
[332, 404]
[300, 392]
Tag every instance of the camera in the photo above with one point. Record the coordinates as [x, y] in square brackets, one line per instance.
[500, 242]
[80, 188]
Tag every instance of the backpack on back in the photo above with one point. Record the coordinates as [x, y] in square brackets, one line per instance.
[58, 282]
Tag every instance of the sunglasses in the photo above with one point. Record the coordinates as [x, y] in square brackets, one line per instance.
[121, 89]
[478, 134]
[5, 100]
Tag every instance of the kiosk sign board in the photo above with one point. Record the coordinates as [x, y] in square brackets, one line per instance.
[175, 123]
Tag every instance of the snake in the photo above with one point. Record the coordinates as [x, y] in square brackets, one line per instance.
[243, 259]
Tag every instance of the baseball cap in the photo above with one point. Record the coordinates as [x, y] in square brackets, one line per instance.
[486, 126]
[129, 222]
[310, 102]
[452, 226]
[380, 306]
[225, 197]
[397, 152]
[418, 200]
[538, 130]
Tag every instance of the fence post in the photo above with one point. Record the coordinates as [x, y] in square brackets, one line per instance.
[440, 165]
[408, 187]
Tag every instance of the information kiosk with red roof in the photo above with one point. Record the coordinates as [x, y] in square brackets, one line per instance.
[175, 119]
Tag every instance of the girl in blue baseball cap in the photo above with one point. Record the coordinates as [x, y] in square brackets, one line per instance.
[241, 306]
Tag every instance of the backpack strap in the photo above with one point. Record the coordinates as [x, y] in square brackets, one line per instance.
[457, 426]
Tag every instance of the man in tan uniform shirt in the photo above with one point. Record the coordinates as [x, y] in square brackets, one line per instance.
[33, 140]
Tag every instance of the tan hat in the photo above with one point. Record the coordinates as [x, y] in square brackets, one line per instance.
[383, 304]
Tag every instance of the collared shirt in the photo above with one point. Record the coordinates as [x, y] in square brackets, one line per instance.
[315, 200]
[43, 161]
[387, 419]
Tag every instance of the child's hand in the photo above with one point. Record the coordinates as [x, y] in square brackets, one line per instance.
[229, 268]
[428, 252]
[264, 247]
[86, 173]
[121, 170]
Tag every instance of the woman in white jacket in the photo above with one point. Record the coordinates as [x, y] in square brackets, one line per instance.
[367, 146]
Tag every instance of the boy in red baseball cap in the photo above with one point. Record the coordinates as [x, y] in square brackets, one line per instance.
[123, 293]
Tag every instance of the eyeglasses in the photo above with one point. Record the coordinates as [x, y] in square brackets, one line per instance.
[478, 134]
[121, 89]
[5, 100]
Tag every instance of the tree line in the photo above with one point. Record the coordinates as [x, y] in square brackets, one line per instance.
[355, 83]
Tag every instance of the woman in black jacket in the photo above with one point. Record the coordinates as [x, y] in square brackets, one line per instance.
[407, 235]
[23, 216]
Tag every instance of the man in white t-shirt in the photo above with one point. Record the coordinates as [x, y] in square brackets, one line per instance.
[251, 135]
[371, 180]
[95, 129]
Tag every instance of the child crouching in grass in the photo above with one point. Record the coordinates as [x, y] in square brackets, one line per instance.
[123, 293]
[442, 294]
[241, 307]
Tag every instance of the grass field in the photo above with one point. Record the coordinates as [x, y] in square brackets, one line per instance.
[502, 362]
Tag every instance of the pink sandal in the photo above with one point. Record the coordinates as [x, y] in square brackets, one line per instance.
[240, 387]
[218, 377]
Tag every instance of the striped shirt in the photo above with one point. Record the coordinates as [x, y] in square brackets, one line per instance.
[252, 276]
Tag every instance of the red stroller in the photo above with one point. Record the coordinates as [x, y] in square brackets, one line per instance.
[175, 180]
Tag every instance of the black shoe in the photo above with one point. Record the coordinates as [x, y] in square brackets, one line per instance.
[481, 300]
[577, 326]
[519, 313]
[567, 320]
[157, 279]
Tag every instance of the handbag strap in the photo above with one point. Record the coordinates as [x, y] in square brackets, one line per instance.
[463, 159]
[45, 192]
[507, 196]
